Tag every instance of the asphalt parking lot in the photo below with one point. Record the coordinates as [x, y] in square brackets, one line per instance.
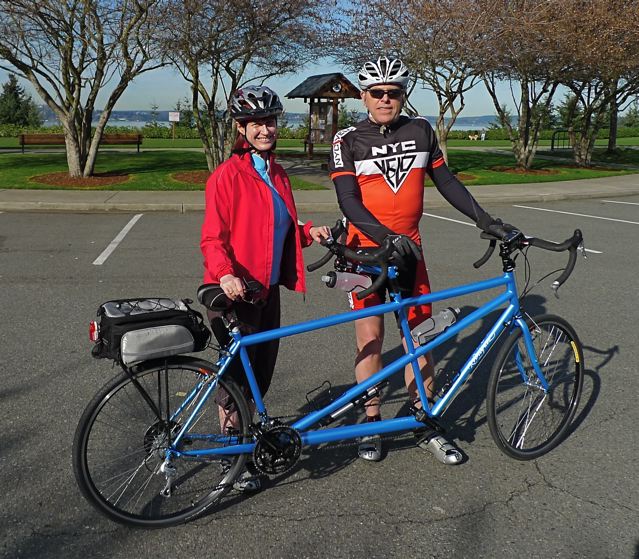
[581, 500]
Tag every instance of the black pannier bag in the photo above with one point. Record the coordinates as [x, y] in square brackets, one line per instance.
[134, 330]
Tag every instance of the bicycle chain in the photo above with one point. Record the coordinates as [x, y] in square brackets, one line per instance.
[337, 445]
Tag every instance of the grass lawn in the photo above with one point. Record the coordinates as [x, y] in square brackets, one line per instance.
[154, 143]
[147, 170]
[150, 170]
[627, 156]
[477, 168]
[153, 170]
[170, 144]
[298, 145]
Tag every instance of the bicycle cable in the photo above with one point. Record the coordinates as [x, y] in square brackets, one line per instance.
[528, 275]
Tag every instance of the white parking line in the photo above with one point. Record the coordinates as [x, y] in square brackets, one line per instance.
[473, 225]
[589, 250]
[449, 219]
[619, 202]
[115, 242]
[579, 215]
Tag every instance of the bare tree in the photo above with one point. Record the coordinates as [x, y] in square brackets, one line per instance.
[220, 45]
[70, 50]
[601, 40]
[518, 47]
[431, 36]
[449, 29]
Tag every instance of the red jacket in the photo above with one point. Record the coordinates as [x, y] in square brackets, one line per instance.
[237, 234]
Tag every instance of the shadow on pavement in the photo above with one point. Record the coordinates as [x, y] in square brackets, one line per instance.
[464, 416]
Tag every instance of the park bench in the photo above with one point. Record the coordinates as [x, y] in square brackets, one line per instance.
[58, 140]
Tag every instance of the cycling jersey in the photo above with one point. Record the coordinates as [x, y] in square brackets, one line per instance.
[379, 174]
[390, 169]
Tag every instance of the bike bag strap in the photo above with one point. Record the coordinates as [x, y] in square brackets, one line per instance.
[134, 330]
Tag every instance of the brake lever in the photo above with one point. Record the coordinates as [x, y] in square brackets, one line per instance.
[582, 248]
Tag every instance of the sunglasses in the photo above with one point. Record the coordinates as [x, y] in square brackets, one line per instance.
[379, 93]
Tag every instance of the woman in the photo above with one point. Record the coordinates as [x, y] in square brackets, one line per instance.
[251, 232]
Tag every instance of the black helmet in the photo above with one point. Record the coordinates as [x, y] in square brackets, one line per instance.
[253, 102]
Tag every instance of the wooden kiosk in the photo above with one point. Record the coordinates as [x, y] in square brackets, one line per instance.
[323, 92]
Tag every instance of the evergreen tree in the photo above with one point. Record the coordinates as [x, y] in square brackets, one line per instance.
[347, 118]
[16, 107]
[569, 113]
[631, 116]
[187, 118]
[153, 124]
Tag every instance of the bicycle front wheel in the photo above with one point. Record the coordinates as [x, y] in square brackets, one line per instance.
[525, 420]
[120, 444]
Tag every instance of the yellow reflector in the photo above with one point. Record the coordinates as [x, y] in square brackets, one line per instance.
[574, 349]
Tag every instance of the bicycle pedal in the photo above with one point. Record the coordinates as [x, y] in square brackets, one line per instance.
[422, 417]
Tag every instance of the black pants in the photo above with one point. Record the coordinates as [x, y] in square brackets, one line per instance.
[252, 318]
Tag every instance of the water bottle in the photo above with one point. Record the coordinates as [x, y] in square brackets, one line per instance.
[347, 281]
[434, 325]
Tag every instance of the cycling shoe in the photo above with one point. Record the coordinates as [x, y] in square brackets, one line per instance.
[249, 481]
[442, 449]
[370, 448]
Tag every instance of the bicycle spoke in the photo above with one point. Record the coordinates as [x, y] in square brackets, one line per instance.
[126, 483]
[525, 420]
[123, 443]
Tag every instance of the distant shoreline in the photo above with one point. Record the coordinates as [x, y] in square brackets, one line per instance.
[141, 124]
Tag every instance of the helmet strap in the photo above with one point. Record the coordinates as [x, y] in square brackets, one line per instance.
[250, 144]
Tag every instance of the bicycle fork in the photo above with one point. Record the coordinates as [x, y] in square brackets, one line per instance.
[532, 355]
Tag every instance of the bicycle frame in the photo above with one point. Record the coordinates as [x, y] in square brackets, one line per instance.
[509, 318]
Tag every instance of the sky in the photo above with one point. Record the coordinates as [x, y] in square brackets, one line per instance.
[164, 87]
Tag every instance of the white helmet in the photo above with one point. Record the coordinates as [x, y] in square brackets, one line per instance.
[383, 71]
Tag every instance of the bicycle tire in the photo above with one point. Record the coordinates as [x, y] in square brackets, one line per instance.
[526, 422]
[120, 441]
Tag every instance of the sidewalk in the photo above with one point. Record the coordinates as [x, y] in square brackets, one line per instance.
[307, 200]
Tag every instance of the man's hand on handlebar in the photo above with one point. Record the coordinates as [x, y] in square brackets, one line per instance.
[495, 226]
[403, 249]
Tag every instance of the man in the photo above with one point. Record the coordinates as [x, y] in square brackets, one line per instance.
[378, 167]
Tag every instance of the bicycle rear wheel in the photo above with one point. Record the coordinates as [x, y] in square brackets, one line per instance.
[120, 443]
[525, 421]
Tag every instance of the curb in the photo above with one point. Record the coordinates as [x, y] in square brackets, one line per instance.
[305, 203]
[95, 208]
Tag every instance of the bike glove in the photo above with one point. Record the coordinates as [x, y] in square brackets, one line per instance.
[494, 226]
[403, 249]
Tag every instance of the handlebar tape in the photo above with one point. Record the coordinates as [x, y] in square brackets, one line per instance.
[570, 245]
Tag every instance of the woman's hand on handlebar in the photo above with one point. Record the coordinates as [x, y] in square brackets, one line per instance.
[232, 286]
[320, 233]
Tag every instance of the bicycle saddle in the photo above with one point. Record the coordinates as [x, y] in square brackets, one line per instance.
[212, 296]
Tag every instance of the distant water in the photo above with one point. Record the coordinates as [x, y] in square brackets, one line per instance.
[142, 123]
[116, 122]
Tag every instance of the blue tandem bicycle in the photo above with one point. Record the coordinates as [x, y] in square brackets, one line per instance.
[150, 450]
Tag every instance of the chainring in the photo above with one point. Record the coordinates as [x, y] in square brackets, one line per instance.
[277, 449]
